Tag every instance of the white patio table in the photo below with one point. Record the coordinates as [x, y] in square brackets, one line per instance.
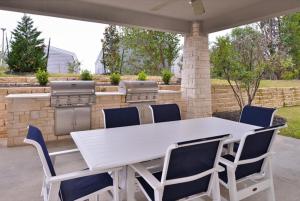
[119, 147]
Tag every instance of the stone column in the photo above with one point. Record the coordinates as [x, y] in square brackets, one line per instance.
[195, 84]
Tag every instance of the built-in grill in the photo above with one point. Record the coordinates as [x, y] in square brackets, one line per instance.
[72, 101]
[139, 91]
[140, 94]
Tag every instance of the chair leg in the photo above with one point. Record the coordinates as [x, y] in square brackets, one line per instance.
[116, 186]
[53, 192]
[215, 191]
[158, 195]
[269, 175]
[232, 185]
[43, 187]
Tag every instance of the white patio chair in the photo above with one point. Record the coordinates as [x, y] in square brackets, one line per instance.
[190, 171]
[79, 185]
[257, 116]
[251, 163]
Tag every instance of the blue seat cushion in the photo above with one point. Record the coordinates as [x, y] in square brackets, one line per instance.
[258, 116]
[166, 112]
[80, 187]
[176, 191]
[119, 117]
[35, 134]
[242, 171]
[148, 189]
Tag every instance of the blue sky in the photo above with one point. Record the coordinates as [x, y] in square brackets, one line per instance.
[81, 37]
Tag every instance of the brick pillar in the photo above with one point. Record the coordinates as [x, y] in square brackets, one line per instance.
[195, 85]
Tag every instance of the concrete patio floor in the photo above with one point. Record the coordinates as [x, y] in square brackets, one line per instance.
[21, 171]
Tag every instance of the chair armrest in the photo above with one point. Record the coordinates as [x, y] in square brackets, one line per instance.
[77, 174]
[65, 152]
[150, 179]
[227, 163]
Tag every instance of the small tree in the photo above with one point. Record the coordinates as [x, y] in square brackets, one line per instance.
[74, 67]
[290, 29]
[280, 62]
[27, 49]
[110, 47]
[239, 58]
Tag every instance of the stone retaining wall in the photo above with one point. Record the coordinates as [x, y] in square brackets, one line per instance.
[97, 78]
[222, 100]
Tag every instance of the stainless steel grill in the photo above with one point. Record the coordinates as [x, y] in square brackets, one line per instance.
[72, 101]
[139, 91]
[72, 93]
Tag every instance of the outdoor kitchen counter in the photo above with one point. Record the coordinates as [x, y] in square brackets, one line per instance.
[116, 93]
[34, 108]
[32, 95]
[47, 95]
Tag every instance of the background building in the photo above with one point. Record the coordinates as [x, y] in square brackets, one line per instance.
[59, 60]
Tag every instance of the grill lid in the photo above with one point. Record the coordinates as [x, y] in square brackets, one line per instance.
[129, 87]
[72, 87]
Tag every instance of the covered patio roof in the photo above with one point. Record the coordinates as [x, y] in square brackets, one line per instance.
[176, 17]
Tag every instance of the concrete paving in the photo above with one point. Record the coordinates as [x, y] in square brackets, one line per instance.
[21, 171]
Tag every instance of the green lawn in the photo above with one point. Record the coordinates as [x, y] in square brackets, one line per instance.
[292, 114]
[266, 83]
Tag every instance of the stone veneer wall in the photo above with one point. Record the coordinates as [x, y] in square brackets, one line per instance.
[24, 111]
[196, 82]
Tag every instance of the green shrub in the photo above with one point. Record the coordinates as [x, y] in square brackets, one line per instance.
[42, 77]
[166, 76]
[86, 75]
[115, 78]
[142, 76]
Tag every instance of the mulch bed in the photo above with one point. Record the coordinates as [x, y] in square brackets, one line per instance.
[235, 116]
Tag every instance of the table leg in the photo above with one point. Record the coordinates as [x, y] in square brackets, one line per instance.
[130, 185]
[230, 148]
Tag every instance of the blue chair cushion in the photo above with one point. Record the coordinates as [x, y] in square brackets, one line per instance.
[166, 112]
[77, 188]
[258, 116]
[176, 191]
[36, 135]
[119, 117]
[242, 171]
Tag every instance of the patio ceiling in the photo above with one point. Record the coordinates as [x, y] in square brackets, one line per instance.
[176, 17]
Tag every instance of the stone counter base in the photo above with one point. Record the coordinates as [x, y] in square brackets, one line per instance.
[23, 110]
